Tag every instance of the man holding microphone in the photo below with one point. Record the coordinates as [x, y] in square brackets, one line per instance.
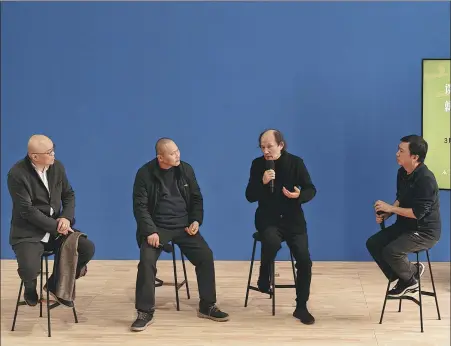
[280, 183]
[418, 223]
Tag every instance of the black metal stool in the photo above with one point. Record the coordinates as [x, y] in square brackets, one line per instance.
[177, 285]
[420, 293]
[45, 256]
[273, 285]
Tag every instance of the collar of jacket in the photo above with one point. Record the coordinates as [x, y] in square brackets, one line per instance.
[154, 169]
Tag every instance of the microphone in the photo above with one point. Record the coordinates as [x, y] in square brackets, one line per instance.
[382, 224]
[271, 165]
[166, 247]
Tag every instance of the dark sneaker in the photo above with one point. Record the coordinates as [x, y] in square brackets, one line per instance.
[30, 295]
[143, 320]
[420, 270]
[302, 314]
[213, 313]
[403, 287]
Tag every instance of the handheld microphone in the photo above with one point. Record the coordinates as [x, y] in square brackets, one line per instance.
[271, 165]
[383, 221]
[166, 247]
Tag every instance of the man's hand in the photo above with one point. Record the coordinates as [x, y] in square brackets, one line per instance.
[382, 217]
[381, 206]
[269, 175]
[63, 225]
[66, 231]
[193, 228]
[289, 194]
[153, 240]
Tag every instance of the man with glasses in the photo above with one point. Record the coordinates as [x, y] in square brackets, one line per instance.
[43, 211]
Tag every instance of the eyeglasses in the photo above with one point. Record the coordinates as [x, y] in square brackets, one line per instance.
[48, 152]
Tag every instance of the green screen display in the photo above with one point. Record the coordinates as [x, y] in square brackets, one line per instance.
[436, 118]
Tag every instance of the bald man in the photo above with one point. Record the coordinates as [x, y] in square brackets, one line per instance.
[43, 213]
[279, 216]
[168, 206]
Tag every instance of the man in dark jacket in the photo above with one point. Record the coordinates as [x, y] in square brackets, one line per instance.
[418, 222]
[168, 206]
[280, 189]
[43, 213]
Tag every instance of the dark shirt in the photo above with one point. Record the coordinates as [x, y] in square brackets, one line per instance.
[419, 191]
[171, 211]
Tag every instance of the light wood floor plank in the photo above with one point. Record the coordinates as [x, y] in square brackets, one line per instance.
[346, 300]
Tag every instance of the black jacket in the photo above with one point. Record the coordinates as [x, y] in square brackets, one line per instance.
[31, 218]
[146, 194]
[419, 191]
[276, 209]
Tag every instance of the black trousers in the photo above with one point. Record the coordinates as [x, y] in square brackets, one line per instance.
[390, 248]
[196, 251]
[28, 257]
[271, 240]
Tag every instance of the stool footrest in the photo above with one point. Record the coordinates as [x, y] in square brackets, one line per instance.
[412, 299]
[180, 285]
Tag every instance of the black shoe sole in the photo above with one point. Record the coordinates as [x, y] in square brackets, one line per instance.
[410, 289]
[223, 319]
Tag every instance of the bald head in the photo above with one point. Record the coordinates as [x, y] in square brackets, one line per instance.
[162, 144]
[168, 153]
[39, 144]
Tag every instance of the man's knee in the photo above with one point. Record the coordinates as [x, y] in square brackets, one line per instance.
[28, 257]
[371, 244]
[86, 247]
[204, 255]
[270, 240]
[303, 259]
[148, 256]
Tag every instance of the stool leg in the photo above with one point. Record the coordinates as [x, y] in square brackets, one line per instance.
[175, 279]
[250, 273]
[399, 307]
[273, 283]
[184, 273]
[433, 285]
[75, 313]
[41, 295]
[419, 293]
[293, 267]
[385, 302]
[17, 305]
[48, 295]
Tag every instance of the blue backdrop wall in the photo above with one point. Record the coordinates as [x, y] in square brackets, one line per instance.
[106, 80]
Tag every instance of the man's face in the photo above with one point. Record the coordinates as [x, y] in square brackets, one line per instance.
[270, 149]
[403, 156]
[45, 154]
[169, 155]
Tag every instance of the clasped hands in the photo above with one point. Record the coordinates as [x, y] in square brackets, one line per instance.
[154, 239]
[63, 226]
[270, 174]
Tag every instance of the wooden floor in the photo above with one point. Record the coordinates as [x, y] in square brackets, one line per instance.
[346, 300]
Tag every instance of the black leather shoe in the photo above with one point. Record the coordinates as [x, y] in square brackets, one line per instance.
[30, 294]
[303, 315]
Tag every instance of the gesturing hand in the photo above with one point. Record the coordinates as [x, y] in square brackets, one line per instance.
[289, 194]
